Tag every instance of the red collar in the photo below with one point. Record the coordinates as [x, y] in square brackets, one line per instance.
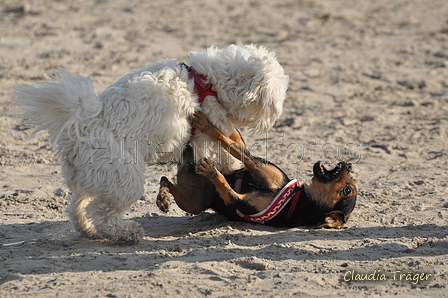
[200, 87]
[290, 192]
[293, 205]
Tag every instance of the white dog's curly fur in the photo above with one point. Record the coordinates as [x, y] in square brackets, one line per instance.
[105, 140]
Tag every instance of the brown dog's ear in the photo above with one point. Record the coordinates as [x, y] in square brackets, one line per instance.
[332, 219]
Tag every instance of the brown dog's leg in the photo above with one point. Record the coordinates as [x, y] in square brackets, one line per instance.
[266, 172]
[232, 144]
[256, 201]
[189, 198]
[237, 138]
[206, 169]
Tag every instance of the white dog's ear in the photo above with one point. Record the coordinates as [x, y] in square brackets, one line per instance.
[250, 82]
[261, 91]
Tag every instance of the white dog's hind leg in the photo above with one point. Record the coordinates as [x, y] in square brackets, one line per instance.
[110, 224]
[78, 217]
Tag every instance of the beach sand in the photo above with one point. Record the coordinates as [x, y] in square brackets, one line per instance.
[368, 84]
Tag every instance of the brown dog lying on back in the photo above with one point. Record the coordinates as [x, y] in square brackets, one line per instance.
[261, 191]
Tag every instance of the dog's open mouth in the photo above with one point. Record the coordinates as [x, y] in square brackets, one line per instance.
[325, 175]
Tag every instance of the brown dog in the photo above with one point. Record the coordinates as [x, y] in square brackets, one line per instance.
[262, 192]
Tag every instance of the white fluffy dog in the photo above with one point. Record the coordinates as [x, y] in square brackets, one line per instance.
[104, 141]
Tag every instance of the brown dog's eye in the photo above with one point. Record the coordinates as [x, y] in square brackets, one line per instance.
[346, 190]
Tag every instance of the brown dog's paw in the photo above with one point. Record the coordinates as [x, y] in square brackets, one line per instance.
[332, 219]
[163, 200]
[199, 121]
[206, 169]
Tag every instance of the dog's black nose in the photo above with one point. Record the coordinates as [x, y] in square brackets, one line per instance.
[349, 166]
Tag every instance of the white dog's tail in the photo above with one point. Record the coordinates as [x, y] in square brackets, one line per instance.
[63, 107]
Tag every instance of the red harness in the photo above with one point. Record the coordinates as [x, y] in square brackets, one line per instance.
[290, 193]
[201, 88]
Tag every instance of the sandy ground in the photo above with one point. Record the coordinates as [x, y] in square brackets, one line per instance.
[369, 84]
